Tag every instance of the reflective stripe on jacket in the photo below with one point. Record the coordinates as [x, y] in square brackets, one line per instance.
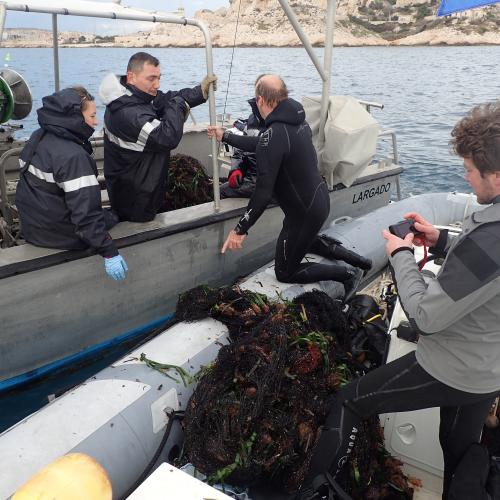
[58, 196]
[139, 132]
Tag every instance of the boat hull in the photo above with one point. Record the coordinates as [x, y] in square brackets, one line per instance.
[58, 307]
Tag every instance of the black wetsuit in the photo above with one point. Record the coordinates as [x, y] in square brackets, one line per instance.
[287, 167]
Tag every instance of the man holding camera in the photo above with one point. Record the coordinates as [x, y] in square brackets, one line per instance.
[457, 315]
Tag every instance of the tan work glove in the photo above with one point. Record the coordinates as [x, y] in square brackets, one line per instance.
[205, 84]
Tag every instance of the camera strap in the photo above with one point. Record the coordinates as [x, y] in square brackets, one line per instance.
[424, 260]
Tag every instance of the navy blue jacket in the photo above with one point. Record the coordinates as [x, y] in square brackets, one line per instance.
[243, 160]
[58, 196]
[139, 132]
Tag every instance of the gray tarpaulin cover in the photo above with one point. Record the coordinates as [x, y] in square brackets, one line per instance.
[350, 137]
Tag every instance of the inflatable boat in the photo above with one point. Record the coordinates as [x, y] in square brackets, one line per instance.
[124, 417]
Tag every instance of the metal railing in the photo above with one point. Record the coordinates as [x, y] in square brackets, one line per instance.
[118, 12]
[4, 200]
[369, 105]
[392, 134]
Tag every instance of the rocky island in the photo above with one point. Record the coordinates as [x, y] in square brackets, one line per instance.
[262, 23]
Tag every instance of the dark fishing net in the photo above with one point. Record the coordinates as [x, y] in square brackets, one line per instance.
[196, 303]
[372, 473]
[237, 309]
[255, 415]
[188, 184]
[324, 314]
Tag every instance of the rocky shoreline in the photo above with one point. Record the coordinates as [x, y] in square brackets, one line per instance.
[435, 38]
[262, 23]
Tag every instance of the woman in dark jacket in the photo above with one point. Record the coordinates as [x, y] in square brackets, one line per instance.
[58, 196]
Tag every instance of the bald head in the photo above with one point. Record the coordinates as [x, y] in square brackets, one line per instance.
[272, 89]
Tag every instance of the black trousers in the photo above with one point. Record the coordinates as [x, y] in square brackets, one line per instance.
[402, 385]
[298, 232]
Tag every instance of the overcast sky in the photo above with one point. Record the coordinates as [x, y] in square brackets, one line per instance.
[105, 26]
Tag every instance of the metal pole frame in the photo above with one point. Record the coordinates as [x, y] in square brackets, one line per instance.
[324, 70]
[211, 111]
[55, 49]
[131, 16]
[3, 11]
[327, 62]
[303, 37]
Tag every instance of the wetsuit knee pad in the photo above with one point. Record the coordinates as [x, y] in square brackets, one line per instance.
[282, 275]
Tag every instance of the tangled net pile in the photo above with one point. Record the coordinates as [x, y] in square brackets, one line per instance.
[188, 184]
[256, 413]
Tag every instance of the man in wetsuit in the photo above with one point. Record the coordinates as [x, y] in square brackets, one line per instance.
[287, 167]
[457, 315]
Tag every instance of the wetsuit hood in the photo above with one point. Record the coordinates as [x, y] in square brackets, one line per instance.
[61, 115]
[287, 111]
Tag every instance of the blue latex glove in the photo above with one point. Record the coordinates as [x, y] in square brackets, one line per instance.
[116, 267]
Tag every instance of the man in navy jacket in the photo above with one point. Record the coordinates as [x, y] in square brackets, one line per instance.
[141, 126]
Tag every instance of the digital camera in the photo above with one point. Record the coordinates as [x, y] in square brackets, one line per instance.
[402, 228]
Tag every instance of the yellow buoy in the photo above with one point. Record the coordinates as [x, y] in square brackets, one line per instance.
[75, 476]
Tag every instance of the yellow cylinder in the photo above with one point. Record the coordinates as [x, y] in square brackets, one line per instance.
[75, 476]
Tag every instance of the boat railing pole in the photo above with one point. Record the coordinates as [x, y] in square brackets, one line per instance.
[131, 15]
[327, 62]
[211, 109]
[392, 134]
[303, 37]
[323, 70]
[55, 45]
[3, 11]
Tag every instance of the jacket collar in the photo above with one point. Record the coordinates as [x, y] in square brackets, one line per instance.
[143, 96]
[255, 110]
[115, 89]
[489, 214]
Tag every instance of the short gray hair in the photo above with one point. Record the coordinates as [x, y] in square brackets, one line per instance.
[137, 61]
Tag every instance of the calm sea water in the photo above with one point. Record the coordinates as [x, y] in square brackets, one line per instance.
[425, 90]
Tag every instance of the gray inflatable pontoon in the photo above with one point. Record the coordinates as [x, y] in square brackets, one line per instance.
[122, 416]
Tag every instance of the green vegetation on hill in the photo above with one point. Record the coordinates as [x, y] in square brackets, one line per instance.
[392, 21]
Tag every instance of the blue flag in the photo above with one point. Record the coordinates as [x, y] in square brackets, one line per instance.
[450, 6]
